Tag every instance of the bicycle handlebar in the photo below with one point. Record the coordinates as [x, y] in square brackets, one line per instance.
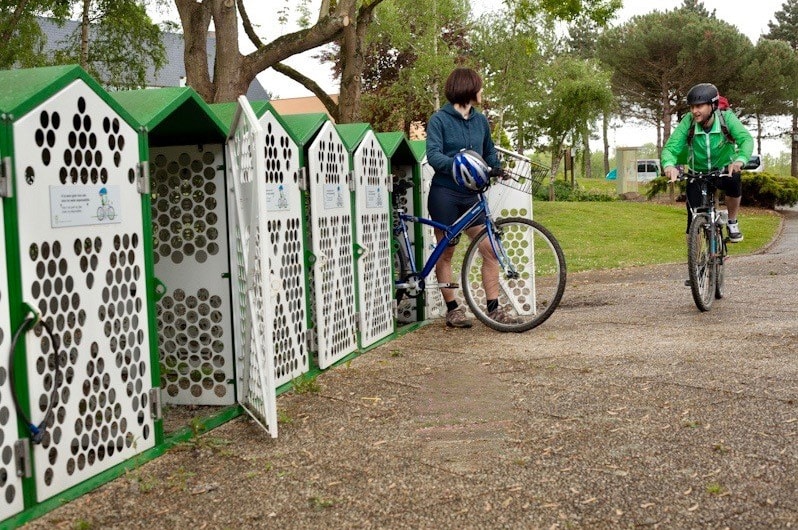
[715, 173]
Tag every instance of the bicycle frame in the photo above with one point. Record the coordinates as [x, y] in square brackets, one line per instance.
[450, 232]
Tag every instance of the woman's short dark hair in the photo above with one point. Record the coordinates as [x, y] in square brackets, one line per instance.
[462, 86]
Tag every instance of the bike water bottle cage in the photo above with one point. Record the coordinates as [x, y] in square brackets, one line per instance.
[470, 171]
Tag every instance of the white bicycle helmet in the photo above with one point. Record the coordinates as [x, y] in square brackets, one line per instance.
[470, 171]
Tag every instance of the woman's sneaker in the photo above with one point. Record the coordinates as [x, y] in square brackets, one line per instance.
[735, 236]
[456, 318]
[500, 316]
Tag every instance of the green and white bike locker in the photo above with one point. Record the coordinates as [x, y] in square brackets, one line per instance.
[77, 256]
[370, 176]
[434, 305]
[185, 150]
[405, 171]
[332, 281]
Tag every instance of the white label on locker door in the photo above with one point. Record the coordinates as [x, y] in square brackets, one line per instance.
[84, 205]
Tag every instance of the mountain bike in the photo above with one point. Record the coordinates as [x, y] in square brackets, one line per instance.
[532, 269]
[706, 245]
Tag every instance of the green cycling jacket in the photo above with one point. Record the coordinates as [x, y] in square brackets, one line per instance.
[710, 150]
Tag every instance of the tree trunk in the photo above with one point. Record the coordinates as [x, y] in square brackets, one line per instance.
[234, 72]
[794, 141]
[605, 129]
[587, 164]
[351, 70]
[84, 35]
[758, 134]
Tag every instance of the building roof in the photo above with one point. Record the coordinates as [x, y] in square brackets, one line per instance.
[173, 72]
[309, 104]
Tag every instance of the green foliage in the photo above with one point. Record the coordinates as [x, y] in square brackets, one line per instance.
[305, 384]
[563, 191]
[22, 38]
[768, 191]
[123, 44]
[657, 57]
[123, 41]
[662, 185]
[763, 190]
[410, 49]
[786, 25]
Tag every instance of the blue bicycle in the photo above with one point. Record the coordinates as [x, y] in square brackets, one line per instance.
[532, 273]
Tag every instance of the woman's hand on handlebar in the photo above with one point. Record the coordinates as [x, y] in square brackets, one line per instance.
[499, 173]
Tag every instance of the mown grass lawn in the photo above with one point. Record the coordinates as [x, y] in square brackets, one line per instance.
[606, 235]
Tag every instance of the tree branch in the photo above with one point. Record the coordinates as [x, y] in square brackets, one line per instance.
[248, 29]
[6, 35]
[310, 84]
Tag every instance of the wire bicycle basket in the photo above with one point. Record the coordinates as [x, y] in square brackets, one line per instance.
[524, 174]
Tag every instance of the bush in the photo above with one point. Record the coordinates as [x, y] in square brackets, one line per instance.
[565, 193]
[768, 191]
[763, 190]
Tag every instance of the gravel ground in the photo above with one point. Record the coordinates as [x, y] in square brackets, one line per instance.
[628, 408]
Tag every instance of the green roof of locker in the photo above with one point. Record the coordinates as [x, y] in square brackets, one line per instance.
[173, 115]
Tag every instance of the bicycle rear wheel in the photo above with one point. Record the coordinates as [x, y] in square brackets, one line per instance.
[530, 284]
[699, 262]
[720, 260]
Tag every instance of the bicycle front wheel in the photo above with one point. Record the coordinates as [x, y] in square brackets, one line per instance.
[530, 280]
[720, 260]
[699, 262]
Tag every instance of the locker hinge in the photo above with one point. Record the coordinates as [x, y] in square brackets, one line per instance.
[358, 324]
[22, 457]
[390, 184]
[5, 177]
[351, 177]
[303, 178]
[143, 178]
[155, 403]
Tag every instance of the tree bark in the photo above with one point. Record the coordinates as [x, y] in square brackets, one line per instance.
[605, 128]
[84, 35]
[233, 72]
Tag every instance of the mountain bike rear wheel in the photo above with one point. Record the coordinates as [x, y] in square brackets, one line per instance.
[699, 262]
[531, 283]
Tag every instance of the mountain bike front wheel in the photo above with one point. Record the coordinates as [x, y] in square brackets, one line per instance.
[720, 260]
[700, 264]
[531, 278]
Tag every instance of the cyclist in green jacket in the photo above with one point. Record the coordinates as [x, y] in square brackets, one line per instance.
[709, 139]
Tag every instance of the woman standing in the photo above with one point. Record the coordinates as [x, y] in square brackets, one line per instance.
[458, 126]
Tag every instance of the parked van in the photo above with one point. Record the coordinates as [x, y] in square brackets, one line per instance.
[648, 170]
[755, 164]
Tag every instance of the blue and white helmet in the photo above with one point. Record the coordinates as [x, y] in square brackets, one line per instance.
[470, 171]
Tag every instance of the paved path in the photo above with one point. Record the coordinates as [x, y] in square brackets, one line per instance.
[628, 408]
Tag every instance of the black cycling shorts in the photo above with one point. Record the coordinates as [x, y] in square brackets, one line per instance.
[446, 205]
[731, 186]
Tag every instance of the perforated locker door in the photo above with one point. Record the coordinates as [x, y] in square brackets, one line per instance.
[256, 390]
[435, 306]
[407, 311]
[83, 268]
[11, 500]
[334, 269]
[505, 201]
[189, 225]
[285, 251]
[373, 222]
